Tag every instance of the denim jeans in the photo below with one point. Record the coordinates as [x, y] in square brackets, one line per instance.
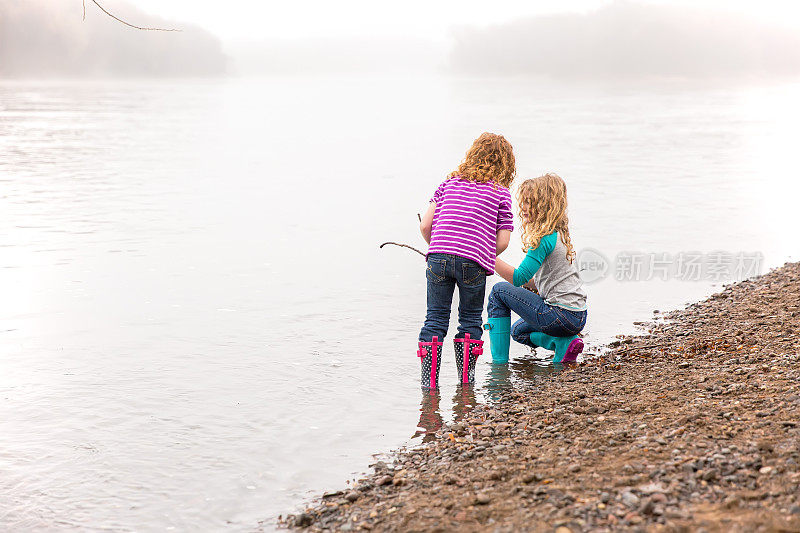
[535, 314]
[444, 272]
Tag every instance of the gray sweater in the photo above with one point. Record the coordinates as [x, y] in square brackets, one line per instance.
[556, 278]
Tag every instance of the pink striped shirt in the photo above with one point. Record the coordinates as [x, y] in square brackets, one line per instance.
[467, 218]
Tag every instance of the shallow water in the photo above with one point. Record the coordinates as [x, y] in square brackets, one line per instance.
[198, 330]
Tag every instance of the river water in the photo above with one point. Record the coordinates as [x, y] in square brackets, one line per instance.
[197, 328]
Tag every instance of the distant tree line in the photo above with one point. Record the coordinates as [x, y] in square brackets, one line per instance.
[43, 38]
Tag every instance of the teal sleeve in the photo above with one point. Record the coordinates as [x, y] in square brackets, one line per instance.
[534, 259]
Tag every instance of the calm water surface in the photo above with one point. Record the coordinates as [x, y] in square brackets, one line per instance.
[197, 328]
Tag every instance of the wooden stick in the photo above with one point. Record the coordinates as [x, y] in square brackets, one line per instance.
[403, 246]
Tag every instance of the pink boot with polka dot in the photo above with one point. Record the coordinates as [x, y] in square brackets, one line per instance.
[430, 354]
[467, 352]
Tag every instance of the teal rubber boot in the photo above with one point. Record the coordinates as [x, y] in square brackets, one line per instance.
[566, 349]
[499, 338]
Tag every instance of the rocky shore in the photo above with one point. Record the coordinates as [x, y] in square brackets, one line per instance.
[692, 426]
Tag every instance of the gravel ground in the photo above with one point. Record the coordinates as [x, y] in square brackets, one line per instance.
[693, 426]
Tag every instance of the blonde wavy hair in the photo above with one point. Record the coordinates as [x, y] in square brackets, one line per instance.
[543, 210]
[489, 159]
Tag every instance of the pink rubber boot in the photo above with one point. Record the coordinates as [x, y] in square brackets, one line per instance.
[430, 354]
[466, 365]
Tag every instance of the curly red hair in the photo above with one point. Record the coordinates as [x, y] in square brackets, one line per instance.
[489, 159]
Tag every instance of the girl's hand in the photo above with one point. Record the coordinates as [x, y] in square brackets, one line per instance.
[531, 286]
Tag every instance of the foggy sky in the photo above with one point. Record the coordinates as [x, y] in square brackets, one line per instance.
[256, 20]
[628, 40]
[47, 38]
[338, 56]
[618, 40]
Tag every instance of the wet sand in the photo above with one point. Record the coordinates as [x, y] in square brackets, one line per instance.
[693, 425]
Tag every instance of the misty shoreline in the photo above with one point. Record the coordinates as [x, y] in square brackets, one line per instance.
[622, 41]
[648, 84]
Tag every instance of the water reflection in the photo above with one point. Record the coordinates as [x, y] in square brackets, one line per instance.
[463, 401]
[430, 419]
[521, 372]
[528, 370]
[498, 381]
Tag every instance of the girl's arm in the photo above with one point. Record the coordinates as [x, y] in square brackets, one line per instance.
[504, 270]
[503, 238]
[523, 275]
[426, 224]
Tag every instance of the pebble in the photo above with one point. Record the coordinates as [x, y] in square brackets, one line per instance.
[731, 501]
[646, 507]
[482, 498]
[658, 498]
[633, 518]
[303, 520]
[630, 499]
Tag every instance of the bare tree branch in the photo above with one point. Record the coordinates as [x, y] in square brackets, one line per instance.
[84, 10]
[104, 10]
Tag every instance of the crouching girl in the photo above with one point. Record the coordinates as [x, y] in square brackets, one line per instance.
[552, 318]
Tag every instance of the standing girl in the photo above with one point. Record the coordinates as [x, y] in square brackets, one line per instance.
[468, 222]
[552, 318]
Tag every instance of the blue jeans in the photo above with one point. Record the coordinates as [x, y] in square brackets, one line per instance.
[444, 272]
[535, 314]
